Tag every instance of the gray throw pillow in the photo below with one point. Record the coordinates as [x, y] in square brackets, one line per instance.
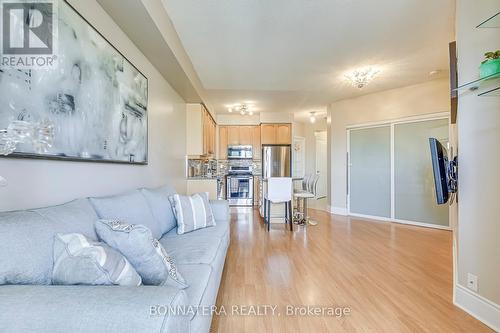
[80, 261]
[144, 252]
[192, 212]
[160, 207]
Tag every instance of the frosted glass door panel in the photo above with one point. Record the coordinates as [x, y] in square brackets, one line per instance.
[370, 171]
[415, 198]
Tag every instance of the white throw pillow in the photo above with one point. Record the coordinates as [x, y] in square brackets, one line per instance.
[192, 212]
[80, 261]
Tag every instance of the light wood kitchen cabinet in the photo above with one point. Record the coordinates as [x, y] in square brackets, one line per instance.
[238, 136]
[268, 134]
[200, 139]
[276, 134]
[256, 146]
[209, 127]
[245, 133]
[223, 142]
[233, 135]
[283, 134]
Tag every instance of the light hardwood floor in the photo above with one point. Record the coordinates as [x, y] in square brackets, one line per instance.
[394, 278]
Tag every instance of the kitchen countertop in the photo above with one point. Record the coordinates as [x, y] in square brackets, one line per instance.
[293, 179]
[217, 177]
[203, 178]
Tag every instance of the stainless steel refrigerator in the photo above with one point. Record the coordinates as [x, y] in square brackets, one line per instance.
[276, 161]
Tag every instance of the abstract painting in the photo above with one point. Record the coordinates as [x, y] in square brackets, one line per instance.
[95, 98]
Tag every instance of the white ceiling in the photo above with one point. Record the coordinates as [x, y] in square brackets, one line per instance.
[291, 55]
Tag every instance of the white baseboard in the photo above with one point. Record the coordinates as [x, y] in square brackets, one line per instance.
[477, 306]
[337, 210]
[388, 219]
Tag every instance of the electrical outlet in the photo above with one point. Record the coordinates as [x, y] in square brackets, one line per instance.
[472, 281]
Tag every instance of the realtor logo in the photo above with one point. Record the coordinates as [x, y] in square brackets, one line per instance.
[29, 33]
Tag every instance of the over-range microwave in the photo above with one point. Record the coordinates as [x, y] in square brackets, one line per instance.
[239, 152]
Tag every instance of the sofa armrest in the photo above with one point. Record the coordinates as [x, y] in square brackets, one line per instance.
[220, 208]
[28, 308]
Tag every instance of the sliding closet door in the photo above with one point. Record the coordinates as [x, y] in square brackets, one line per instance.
[414, 194]
[370, 171]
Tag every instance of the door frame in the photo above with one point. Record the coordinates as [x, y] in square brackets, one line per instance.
[389, 123]
[303, 153]
[316, 140]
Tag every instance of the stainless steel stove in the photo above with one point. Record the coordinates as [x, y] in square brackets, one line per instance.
[239, 185]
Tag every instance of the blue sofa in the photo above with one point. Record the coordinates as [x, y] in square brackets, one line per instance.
[29, 303]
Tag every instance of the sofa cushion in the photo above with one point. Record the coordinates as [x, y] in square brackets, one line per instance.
[95, 309]
[79, 214]
[201, 323]
[144, 252]
[160, 206]
[27, 239]
[192, 249]
[78, 260]
[130, 207]
[198, 277]
[192, 212]
[220, 209]
[220, 230]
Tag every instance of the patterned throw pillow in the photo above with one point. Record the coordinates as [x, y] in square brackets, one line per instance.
[144, 252]
[192, 212]
[80, 261]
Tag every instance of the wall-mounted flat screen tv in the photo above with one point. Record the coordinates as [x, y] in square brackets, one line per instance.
[439, 158]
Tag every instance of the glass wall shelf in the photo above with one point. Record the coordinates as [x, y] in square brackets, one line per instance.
[495, 92]
[486, 86]
[492, 22]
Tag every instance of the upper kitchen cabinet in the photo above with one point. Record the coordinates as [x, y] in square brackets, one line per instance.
[256, 146]
[200, 138]
[245, 135]
[276, 134]
[239, 136]
[223, 140]
[268, 134]
[233, 135]
[284, 134]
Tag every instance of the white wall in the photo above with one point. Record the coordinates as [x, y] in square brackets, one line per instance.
[479, 158]
[276, 117]
[424, 98]
[307, 131]
[237, 119]
[35, 183]
[256, 119]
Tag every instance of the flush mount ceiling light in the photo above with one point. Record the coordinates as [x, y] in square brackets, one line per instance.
[359, 78]
[243, 109]
[312, 117]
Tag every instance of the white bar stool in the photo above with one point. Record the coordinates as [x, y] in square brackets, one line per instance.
[310, 193]
[279, 190]
[305, 182]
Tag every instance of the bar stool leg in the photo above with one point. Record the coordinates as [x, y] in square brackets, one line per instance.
[306, 216]
[269, 215]
[286, 213]
[290, 214]
[265, 212]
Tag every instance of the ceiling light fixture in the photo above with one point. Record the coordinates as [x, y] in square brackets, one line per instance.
[312, 117]
[243, 109]
[359, 78]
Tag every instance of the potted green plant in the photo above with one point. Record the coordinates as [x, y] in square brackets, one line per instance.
[491, 65]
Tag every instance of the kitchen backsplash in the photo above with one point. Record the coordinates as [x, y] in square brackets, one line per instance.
[223, 166]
